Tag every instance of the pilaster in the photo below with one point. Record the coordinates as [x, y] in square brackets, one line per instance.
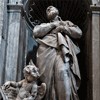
[95, 31]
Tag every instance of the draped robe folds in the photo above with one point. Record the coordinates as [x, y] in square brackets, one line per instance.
[58, 65]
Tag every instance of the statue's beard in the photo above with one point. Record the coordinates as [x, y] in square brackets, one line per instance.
[52, 15]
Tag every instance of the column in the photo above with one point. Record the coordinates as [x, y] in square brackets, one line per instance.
[95, 31]
[14, 26]
[3, 34]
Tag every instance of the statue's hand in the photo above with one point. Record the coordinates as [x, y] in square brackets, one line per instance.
[60, 28]
[62, 23]
[56, 23]
[6, 85]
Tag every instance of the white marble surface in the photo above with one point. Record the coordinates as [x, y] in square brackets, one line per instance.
[1, 17]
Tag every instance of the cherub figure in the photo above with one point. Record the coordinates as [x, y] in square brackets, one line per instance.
[27, 89]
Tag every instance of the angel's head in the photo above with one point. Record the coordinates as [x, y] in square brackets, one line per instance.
[31, 73]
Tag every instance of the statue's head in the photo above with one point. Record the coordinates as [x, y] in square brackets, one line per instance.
[31, 73]
[52, 12]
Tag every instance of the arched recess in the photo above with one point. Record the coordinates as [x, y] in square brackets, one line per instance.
[79, 12]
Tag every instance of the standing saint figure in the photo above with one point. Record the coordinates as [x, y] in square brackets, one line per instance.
[56, 56]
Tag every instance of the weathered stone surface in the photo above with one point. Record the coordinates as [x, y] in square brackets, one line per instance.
[96, 55]
[12, 47]
[19, 44]
[3, 33]
[26, 89]
[1, 17]
[95, 1]
[13, 44]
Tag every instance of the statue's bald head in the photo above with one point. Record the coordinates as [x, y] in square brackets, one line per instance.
[52, 12]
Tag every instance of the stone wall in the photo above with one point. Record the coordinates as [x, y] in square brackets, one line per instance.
[3, 35]
[1, 17]
[12, 41]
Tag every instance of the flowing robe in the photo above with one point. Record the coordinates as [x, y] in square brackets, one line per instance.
[57, 61]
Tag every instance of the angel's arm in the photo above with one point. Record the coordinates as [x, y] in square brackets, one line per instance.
[13, 84]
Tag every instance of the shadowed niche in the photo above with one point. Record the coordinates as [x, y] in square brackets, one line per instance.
[73, 10]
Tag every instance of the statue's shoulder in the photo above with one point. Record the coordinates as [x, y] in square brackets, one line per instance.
[68, 21]
[43, 23]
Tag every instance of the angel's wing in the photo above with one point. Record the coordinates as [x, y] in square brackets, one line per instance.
[41, 91]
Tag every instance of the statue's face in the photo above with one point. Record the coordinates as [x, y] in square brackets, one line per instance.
[51, 12]
[31, 72]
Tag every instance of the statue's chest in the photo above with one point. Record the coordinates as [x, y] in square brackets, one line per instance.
[27, 86]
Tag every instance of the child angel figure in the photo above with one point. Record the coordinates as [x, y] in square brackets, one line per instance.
[26, 89]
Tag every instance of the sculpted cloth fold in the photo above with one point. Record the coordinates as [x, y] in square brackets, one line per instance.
[57, 62]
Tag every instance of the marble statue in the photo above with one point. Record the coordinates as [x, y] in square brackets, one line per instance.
[56, 56]
[26, 89]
